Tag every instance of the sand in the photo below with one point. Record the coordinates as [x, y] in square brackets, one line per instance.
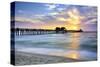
[23, 58]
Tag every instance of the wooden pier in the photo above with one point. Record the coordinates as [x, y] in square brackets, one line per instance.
[21, 31]
[57, 30]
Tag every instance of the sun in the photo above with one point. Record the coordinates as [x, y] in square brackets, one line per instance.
[74, 20]
[73, 27]
[73, 24]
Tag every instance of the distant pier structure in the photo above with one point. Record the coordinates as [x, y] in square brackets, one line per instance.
[24, 31]
[21, 31]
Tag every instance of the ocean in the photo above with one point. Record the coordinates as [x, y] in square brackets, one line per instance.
[79, 45]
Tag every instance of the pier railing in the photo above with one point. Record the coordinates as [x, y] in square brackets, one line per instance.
[21, 31]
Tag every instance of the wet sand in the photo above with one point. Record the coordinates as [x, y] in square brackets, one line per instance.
[23, 58]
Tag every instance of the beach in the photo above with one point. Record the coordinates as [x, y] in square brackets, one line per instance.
[24, 58]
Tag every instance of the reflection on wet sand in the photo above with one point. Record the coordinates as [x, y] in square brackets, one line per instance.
[73, 55]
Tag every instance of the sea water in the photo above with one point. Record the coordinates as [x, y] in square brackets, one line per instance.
[79, 45]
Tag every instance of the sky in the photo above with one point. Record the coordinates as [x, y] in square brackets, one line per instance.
[50, 16]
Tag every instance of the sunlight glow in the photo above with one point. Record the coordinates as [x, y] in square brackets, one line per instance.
[73, 55]
[74, 20]
[74, 46]
[73, 26]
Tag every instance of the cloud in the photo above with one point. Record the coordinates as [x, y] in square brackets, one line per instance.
[89, 12]
[39, 16]
[74, 16]
[61, 19]
[61, 9]
[22, 19]
[53, 13]
[90, 18]
[92, 21]
[51, 6]
[73, 13]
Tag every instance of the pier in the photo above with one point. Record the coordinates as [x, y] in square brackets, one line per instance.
[24, 31]
[21, 31]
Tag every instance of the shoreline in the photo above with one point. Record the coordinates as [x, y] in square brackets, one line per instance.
[24, 58]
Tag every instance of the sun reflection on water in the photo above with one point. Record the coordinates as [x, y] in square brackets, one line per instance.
[74, 46]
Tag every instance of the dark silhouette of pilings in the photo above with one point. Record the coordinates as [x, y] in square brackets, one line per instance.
[58, 30]
[20, 31]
